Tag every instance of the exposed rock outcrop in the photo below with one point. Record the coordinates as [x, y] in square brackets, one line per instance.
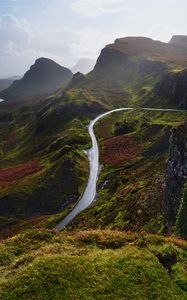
[173, 87]
[176, 173]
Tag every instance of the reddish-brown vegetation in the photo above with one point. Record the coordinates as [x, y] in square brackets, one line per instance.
[11, 175]
[119, 149]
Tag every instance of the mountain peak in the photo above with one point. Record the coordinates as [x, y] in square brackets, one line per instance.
[84, 65]
[43, 78]
[45, 60]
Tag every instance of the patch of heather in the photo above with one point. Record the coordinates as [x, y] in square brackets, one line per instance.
[12, 175]
[119, 149]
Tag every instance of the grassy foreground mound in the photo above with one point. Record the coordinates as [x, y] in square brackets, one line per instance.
[92, 265]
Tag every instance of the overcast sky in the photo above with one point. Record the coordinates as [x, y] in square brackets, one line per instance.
[67, 30]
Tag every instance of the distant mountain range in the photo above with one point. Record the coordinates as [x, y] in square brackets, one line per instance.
[84, 66]
[43, 78]
[129, 64]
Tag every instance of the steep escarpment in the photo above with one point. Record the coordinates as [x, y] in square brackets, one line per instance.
[173, 86]
[121, 66]
[176, 174]
[142, 47]
[43, 78]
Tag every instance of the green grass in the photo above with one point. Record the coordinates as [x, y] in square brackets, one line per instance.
[91, 265]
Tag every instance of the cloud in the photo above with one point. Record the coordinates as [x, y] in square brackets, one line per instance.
[90, 8]
[21, 45]
[162, 32]
[14, 30]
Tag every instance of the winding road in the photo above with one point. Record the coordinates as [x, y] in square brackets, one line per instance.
[90, 192]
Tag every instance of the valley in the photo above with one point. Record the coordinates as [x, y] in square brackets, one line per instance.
[93, 174]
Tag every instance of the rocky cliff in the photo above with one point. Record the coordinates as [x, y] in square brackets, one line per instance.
[173, 86]
[176, 173]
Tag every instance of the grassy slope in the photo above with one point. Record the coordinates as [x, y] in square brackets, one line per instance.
[43, 166]
[119, 88]
[131, 191]
[92, 265]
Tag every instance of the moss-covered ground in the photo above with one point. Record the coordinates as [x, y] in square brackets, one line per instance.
[92, 265]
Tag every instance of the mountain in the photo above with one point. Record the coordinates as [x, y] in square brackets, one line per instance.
[129, 70]
[6, 82]
[142, 47]
[43, 78]
[84, 66]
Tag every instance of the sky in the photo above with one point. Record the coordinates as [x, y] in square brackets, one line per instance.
[68, 30]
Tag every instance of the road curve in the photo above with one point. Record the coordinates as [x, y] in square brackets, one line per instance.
[89, 194]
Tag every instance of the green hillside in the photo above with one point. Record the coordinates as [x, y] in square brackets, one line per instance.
[43, 166]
